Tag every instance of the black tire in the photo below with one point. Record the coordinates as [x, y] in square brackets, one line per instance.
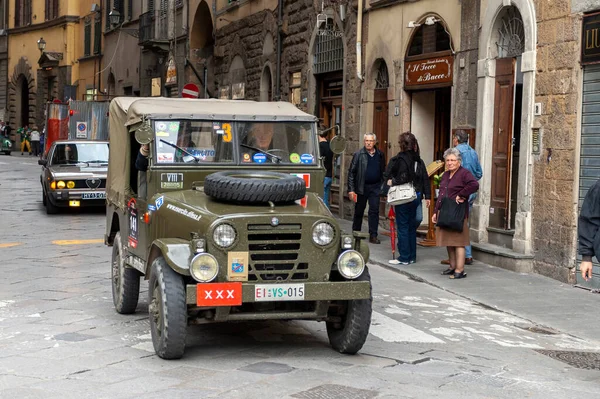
[350, 334]
[125, 280]
[44, 200]
[51, 209]
[250, 187]
[167, 310]
[7, 152]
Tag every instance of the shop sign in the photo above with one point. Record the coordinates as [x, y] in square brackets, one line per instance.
[171, 78]
[429, 73]
[590, 42]
[237, 91]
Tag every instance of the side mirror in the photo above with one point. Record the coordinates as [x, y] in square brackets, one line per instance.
[42, 162]
[338, 145]
[144, 134]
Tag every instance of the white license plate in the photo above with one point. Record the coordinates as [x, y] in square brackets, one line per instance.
[100, 195]
[278, 292]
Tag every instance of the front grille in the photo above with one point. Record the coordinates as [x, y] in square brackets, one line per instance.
[274, 253]
[82, 184]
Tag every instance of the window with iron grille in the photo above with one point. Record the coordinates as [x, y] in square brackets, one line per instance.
[97, 33]
[87, 37]
[296, 88]
[51, 9]
[2, 15]
[151, 6]
[22, 12]
[329, 50]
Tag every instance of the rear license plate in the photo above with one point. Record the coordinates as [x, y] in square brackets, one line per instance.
[219, 294]
[74, 203]
[278, 292]
[99, 195]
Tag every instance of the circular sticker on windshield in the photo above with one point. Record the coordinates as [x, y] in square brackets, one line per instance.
[246, 157]
[174, 126]
[294, 158]
[161, 126]
[307, 158]
[259, 157]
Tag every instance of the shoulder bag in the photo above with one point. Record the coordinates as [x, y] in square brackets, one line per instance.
[452, 215]
[401, 194]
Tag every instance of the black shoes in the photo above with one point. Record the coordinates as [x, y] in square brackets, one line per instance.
[374, 240]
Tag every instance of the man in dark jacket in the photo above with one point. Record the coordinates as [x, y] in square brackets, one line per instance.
[364, 185]
[588, 230]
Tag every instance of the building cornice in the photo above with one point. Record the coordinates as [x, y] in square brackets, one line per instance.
[65, 19]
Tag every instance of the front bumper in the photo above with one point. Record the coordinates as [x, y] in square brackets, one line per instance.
[320, 292]
[62, 198]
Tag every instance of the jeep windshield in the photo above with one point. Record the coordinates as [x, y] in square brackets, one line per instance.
[228, 142]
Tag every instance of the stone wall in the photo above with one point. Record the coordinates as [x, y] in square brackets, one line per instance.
[557, 78]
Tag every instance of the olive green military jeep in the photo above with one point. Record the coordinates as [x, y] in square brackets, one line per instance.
[225, 220]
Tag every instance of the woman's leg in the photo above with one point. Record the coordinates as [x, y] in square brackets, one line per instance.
[403, 214]
[460, 259]
[452, 257]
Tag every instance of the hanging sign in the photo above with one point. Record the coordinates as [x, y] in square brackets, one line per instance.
[82, 130]
[171, 78]
[429, 73]
[590, 41]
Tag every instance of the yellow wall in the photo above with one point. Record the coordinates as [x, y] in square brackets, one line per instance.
[62, 39]
[85, 71]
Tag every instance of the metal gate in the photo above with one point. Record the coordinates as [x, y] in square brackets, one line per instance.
[589, 171]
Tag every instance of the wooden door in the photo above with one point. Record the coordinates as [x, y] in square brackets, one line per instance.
[380, 128]
[502, 143]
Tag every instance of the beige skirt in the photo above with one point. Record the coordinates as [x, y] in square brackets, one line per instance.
[449, 238]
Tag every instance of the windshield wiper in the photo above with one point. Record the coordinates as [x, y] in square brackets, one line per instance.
[182, 150]
[273, 156]
[95, 161]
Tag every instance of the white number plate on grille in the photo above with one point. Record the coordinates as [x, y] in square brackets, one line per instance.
[278, 292]
[99, 195]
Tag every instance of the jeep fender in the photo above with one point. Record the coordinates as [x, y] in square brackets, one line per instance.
[363, 248]
[177, 254]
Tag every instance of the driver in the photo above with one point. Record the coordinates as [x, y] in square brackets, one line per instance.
[69, 155]
[261, 136]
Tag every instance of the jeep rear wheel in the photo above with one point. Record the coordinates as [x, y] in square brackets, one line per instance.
[167, 310]
[350, 333]
[125, 280]
[254, 187]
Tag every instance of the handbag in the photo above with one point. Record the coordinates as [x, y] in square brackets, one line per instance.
[452, 215]
[401, 194]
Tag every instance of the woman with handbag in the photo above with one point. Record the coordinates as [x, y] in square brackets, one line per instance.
[452, 211]
[408, 169]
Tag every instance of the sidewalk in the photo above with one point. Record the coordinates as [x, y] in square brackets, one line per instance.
[541, 300]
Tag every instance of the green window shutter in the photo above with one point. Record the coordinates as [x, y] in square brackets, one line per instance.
[87, 38]
[97, 34]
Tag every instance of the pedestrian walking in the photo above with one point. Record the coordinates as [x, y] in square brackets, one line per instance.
[25, 139]
[457, 185]
[365, 178]
[408, 167]
[470, 161]
[327, 155]
[42, 141]
[35, 142]
[588, 230]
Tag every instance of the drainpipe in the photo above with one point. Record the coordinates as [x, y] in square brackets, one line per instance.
[359, 72]
[278, 66]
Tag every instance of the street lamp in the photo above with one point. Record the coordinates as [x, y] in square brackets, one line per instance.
[114, 17]
[41, 44]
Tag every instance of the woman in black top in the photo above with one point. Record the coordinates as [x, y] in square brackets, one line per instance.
[408, 167]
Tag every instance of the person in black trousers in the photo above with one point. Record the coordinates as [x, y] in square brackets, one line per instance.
[364, 185]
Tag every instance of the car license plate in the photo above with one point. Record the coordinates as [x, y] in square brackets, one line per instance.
[99, 195]
[219, 294]
[278, 292]
[74, 203]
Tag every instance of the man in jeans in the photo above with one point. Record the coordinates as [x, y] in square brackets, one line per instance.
[364, 185]
[470, 161]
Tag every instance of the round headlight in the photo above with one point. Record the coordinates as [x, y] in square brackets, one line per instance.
[350, 264]
[70, 184]
[204, 268]
[323, 234]
[224, 235]
[60, 184]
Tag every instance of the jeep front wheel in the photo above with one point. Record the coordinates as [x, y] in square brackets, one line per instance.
[349, 332]
[167, 310]
[250, 187]
[125, 280]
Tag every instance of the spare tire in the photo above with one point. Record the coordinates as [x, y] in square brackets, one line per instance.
[250, 187]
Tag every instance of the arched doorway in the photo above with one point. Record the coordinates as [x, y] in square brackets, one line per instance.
[266, 85]
[22, 114]
[381, 113]
[429, 78]
[202, 47]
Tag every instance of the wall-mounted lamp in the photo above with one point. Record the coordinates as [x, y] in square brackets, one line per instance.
[41, 44]
[114, 17]
[95, 8]
[431, 20]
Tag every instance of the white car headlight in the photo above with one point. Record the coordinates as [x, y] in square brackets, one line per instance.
[350, 264]
[204, 268]
[224, 235]
[323, 234]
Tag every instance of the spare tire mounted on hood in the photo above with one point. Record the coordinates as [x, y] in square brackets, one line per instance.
[253, 187]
